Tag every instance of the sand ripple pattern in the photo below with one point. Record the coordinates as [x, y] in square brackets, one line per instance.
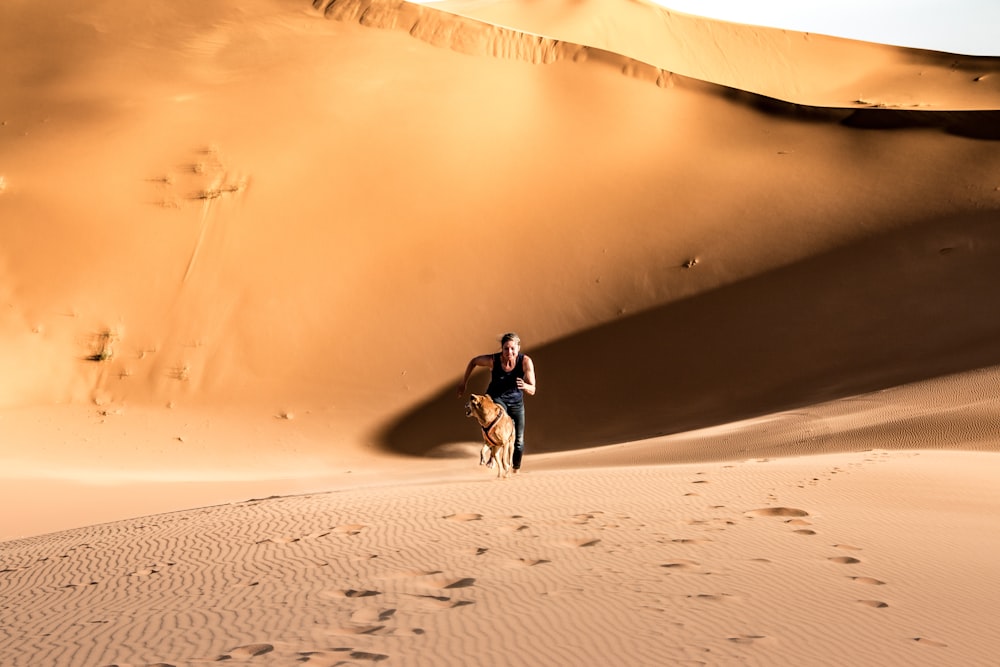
[549, 569]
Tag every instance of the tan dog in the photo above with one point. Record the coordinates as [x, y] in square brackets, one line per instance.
[498, 433]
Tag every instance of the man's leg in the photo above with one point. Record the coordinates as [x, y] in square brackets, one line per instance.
[516, 413]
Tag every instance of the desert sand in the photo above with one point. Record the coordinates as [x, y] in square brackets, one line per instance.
[247, 248]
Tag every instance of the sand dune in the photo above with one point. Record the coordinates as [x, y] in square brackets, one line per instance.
[693, 564]
[246, 250]
[797, 67]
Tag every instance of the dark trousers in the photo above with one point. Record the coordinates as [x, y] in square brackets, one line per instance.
[516, 412]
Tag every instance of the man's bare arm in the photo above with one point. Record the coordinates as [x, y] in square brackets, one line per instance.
[481, 360]
[528, 385]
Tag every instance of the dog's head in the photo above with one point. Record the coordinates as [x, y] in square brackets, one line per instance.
[478, 406]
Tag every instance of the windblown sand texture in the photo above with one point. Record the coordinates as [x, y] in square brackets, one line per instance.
[246, 249]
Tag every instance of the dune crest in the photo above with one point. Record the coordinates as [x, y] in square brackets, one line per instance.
[479, 38]
[797, 67]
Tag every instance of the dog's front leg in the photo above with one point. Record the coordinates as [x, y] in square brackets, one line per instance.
[486, 456]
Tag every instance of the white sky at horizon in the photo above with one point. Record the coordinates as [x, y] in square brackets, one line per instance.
[970, 27]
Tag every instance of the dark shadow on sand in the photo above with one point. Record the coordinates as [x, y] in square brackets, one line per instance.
[829, 327]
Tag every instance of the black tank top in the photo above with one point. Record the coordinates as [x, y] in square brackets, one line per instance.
[503, 384]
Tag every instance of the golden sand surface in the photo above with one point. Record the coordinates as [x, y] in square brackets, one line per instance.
[248, 246]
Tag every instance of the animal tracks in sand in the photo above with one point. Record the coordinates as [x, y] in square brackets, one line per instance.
[712, 597]
[750, 639]
[350, 529]
[205, 176]
[682, 566]
[248, 651]
[798, 519]
[580, 542]
[528, 562]
[240, 654]
[844, 560]
[338, 656]
[442, 581]
[874, 604]
[439, 602]
[690, 540]
[778, 511]
[924, 641]
[349, 593]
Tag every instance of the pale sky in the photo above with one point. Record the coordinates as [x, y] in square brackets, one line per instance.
[957, 26]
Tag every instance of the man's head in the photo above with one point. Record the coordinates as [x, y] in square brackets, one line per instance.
[510, 345]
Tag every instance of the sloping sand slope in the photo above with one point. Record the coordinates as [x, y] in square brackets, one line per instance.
[247, 248]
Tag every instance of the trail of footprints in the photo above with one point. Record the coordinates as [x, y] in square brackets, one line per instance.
[797, 519]
[361, 614]
[443, 591]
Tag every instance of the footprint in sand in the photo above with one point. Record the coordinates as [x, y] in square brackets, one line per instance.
[438, 602]
[246, 652]
[406, 574]
[804, 531]
[681, 565]
[844, 560]
[874, 604]
[747, 639]
[711, 597]
[471, 516]
[327, 658]
[869, 581]
[348, 593]
[515, 529]
[363, 616]
[442, 581]
[350, 528]
[581, 542]
[358, 630]
[711, 524]
[337, 656]
[929, 642]
[278, 540]
[528, 562]
[365, 655]
[778, 511]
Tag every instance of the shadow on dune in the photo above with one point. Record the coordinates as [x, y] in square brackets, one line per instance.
[473, 37]
[969, 124]
[899, 308]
